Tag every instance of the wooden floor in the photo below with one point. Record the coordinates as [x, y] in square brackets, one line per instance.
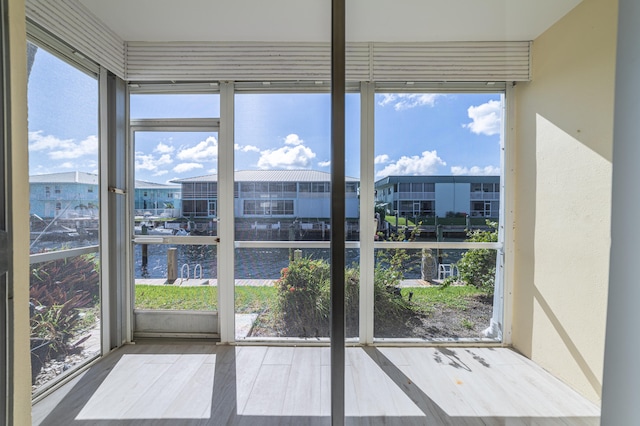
[206, 384]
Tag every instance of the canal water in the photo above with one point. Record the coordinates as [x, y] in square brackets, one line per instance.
[253, 263]
[250, 263]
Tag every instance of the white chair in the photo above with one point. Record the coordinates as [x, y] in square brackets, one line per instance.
[444, 270]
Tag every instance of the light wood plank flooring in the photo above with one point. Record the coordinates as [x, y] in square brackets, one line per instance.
[208, 384]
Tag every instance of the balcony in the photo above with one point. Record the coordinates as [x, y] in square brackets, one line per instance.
[478, 195]
[413, 196]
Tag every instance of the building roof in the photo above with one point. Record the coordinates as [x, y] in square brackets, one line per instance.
[260, 176]
[65, 177]
[92, 179]
[270, 176]
[437, 179]
[142, 184]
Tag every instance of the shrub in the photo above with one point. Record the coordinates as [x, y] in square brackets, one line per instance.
[60, 291]
[299, 298]
[69, 276]
[477, 267]
[304, 295]
[58, 324]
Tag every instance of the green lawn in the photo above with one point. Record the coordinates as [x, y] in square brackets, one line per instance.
[450, 297]
[257, 299]
[178, 298]
[402, 221]
[201, 298]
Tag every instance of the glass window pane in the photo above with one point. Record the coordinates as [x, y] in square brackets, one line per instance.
[456, 304]
[438, 185]
[64, 306]
[175, 105]
[63, 155]
[283, 147]
[64, 294]
[305, 187]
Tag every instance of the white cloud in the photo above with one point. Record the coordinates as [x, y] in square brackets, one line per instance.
[294, 155]
[293, 139]
[486, 118]
[62, 149]
[151, 162]
[67, 165]
[402, 101]
[246, 148]
[163, 148]
[206, 150]
[38, 142]
[476, 170]
[324, 163]
[161, 172]
[425, 164]
[186, 167]
[381, 159]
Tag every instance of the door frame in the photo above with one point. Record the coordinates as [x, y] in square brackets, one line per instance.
[167, 324]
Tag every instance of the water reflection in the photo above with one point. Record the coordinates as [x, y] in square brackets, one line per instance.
[249, 263]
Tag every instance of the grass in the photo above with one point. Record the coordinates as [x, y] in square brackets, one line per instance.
[466, 323]
[402, 221]
[250, 299]
[254, 299]
[177, 298]
[201, 298]
[454, 297]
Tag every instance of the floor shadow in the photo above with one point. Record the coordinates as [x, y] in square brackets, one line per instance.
[225, 409]
[434, 415]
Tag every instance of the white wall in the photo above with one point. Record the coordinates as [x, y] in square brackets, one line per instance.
[563, 156]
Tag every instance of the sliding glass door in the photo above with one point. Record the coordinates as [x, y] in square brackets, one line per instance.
[423, 200]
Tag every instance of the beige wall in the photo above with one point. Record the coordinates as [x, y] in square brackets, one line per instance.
[563, 154]
[19, 214]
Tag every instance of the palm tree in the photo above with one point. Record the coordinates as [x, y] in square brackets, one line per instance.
[92, 207]
[81, 207]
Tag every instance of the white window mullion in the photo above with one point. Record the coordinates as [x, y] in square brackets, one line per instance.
[226, 287]
[104, 215]
[507, 218]
[367, 231]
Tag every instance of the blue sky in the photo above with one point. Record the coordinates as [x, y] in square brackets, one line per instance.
[421, 133]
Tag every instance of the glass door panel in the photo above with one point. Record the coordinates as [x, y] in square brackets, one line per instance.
[175, 228]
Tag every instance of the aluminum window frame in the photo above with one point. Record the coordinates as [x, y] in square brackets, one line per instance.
[53, 46]
[367, 92]
[158, 125]
[6, 283]
[503, 283]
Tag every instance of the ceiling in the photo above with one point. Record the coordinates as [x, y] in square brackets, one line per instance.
[310, 20]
